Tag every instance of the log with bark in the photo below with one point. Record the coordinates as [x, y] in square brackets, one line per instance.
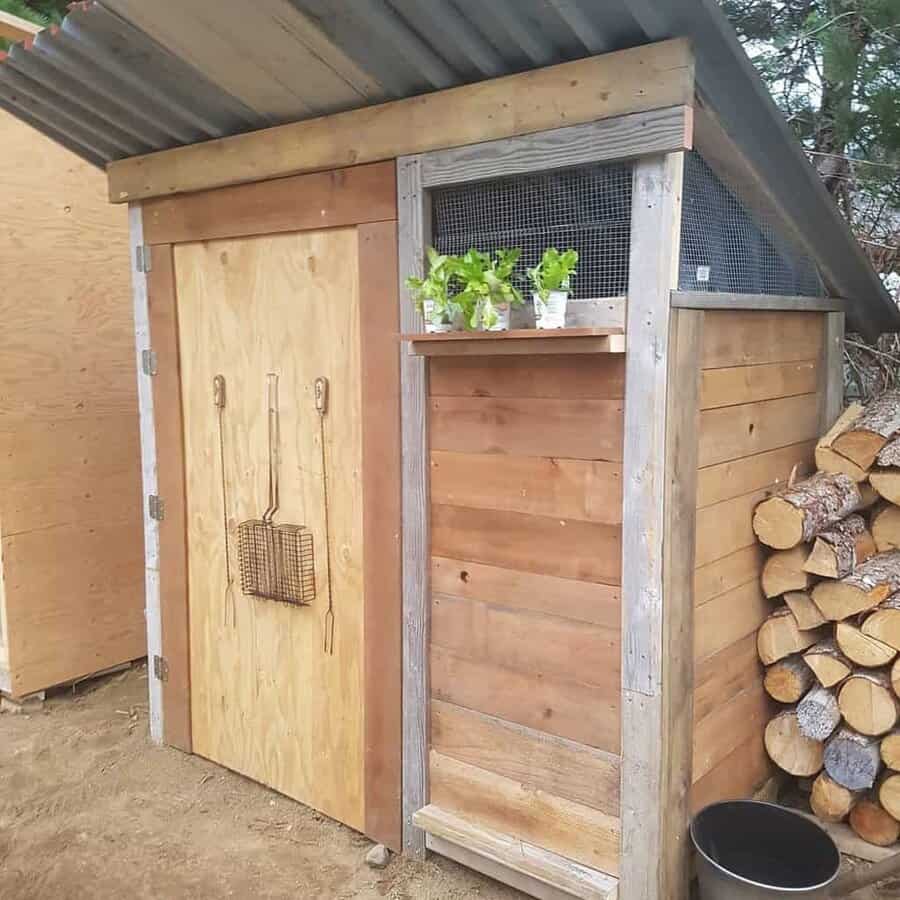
[883, 622]
[885, 523]
[829, 665]
[830, 801]
[828, 459]
[852, 759]
[790, 749]
[889, 793]
[780, 636]
[841, 548]
[807, 508]
[868, 434]
[783, 572]
[868, 704]
[868, 585]
[788, 679]
[865, 651]
[873, 823]
[818, 714]
[890, 750]
[807, 614]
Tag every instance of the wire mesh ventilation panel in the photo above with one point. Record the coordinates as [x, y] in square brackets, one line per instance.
[588, 208]
[726, 248]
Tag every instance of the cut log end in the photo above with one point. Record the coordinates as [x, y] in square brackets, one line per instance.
[780, 636]
[886, 527]
[778, 524]
[790, 749]
[863, 589]
[889, 794]
[890, 750]
[830, 801]
[807, 614]
[870, 821]
[887, 482]
[862, 649]
[788, 680]
[868, 704]
[828, 664]
[783, 572]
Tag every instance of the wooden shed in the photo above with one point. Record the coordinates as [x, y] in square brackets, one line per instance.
[71, 595]
[537, 652]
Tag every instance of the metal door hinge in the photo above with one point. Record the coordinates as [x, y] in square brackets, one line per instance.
[142, 261]
[160, 668]
[149, 362]
[156, 507]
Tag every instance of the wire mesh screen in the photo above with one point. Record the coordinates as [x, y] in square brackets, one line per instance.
[588, 208]
[725, 247]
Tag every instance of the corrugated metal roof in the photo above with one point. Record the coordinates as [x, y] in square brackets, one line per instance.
[122, 78]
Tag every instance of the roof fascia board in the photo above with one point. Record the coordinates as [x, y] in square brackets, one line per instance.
[626, 81]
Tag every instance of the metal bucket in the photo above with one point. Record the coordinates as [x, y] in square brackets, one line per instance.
[747, 850]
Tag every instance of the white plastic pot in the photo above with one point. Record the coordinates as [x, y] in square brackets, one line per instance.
[502, 323]
[552, 312]
[432, 327]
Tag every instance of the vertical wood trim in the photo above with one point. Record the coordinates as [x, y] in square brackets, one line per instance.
[679, 547]
[833, 370]
[148, 470]
[653, 267]
[412, 228]
[380, 387]
[172, 530]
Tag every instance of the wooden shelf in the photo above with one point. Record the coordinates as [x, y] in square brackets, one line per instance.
[518, 341]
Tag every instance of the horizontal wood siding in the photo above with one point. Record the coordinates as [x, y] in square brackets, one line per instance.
[526, 513]
[762, 376]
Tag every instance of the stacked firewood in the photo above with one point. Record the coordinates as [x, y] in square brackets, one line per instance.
[831, 645]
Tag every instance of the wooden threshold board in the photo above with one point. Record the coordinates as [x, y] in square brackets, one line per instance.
[517, 341]
[533, 870]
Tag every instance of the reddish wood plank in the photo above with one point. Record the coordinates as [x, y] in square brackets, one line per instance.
[380, 385]
[565, 428]
[588, 490]
[547, 377]
[301, 202]
[583, 601]
[528, 642]
[173, 551]
[588, 551]
[582, 713]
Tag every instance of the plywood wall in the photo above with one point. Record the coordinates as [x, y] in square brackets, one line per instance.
[70, 497]
[526, 512]
[761, 376]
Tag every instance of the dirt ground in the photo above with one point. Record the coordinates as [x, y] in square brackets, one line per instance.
[90, 810]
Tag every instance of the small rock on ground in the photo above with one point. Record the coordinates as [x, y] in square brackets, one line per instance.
[378, 857]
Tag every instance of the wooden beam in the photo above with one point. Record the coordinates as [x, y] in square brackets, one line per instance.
[661, 409]
[766, 302]
[502, 856]
[643, 78]
[832, 370]
[14, 28]
[413, 226]
[618, 138]
[148, 469]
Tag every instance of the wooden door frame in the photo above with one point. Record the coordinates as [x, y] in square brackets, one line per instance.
[361, 196]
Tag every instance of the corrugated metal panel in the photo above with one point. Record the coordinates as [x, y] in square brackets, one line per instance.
[126, 77]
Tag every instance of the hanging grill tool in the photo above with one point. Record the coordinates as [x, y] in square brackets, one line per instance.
[277, 561]
[321, 392]
[219, 400]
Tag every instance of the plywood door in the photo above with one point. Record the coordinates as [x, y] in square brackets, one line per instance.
[267, 701]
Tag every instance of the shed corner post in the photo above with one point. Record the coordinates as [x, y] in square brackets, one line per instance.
[139, 266]
[659, 480]
[833, 364]
[412, 227]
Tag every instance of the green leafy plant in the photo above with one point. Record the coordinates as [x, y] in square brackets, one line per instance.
[487, 283]
[554, 272]
[434, 290]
